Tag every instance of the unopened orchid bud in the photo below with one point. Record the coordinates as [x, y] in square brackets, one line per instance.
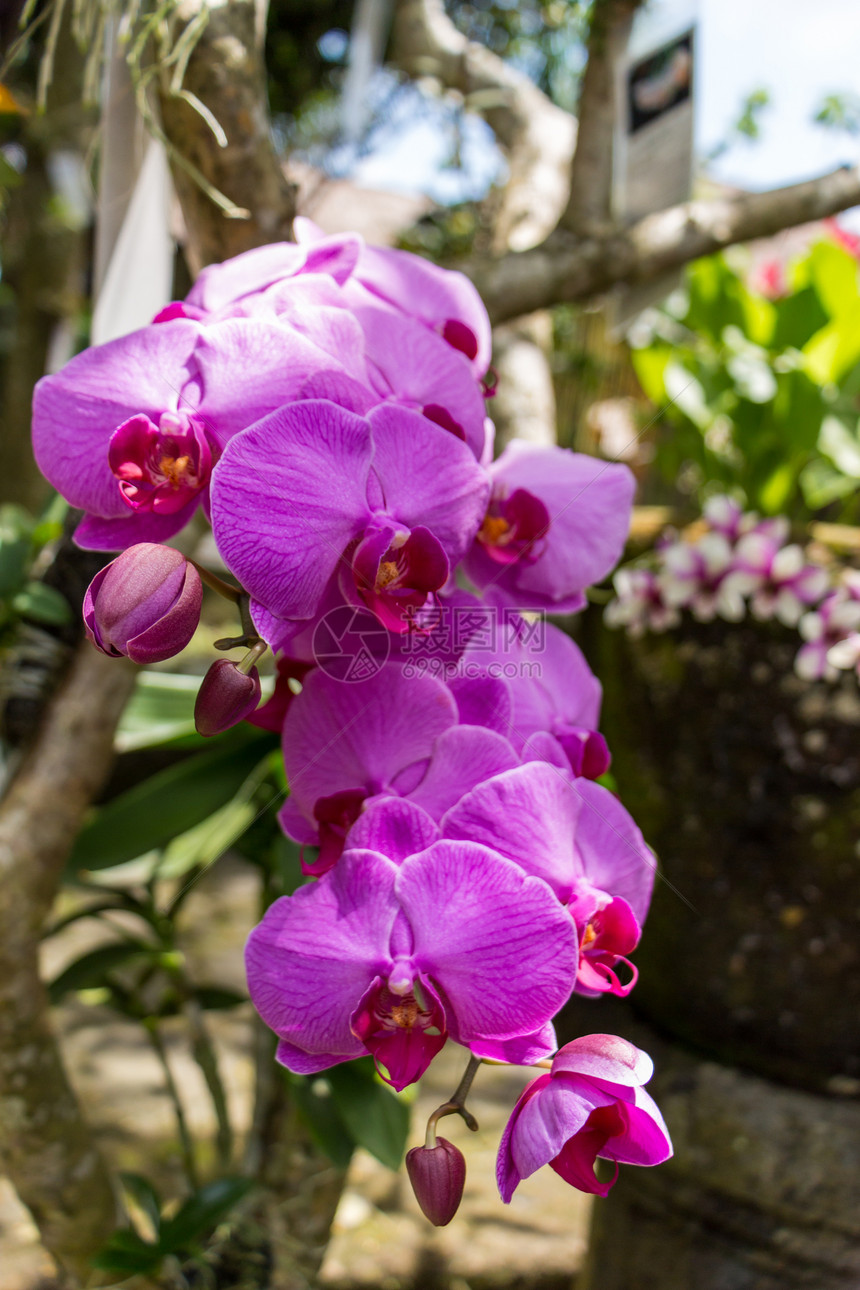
[438, 1176]
[227, 696]
[145, 604]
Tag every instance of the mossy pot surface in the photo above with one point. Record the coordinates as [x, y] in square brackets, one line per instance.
[746, 782]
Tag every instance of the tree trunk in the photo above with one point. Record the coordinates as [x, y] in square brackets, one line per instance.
[227, 75]
[45, 1145]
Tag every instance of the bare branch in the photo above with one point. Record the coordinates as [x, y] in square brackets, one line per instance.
[537, 136]
[590, 204]
[565, 269]
[225, 82]
[45, 1145]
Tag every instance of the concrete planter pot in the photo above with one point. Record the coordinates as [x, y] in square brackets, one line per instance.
[746, 781]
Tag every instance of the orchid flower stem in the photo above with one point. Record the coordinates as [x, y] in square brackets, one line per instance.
[225, 589]
[456, 1105]
[254, 653]
[245, 615]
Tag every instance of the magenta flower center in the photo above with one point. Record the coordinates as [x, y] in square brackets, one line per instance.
[335, 816]
[396, 570]
[575, 1161]
[402, 1023]
[514, 527]
[161, 468]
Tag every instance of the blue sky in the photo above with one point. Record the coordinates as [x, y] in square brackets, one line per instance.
[800, 50]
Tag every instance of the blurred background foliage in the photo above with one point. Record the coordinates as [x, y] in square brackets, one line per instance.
[758, 370]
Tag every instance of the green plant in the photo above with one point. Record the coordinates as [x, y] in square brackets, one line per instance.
[761, 390]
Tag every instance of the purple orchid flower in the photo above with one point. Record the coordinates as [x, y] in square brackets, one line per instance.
[406, 364]
[579, 839]
[557, 521]
[702, 576]
[572, 834]
[412, 367]
[362, 961]
[129, 431]
[590, 1104]
[778, 578]
[345, 745]
[554, 696]
[222, 288]
[726, 516]
[639, 606]
[443, 300]
[831, 633]
[385, 505]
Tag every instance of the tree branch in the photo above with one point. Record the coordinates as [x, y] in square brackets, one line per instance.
[565, 269]
[45, 1145]
[226, 75]
[590, 204]
[537, 136]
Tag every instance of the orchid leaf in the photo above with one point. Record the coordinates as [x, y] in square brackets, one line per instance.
[170, 802]
[377, 1118]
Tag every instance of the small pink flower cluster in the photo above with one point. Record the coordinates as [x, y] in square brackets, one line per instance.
[738, 562]
[832, 633]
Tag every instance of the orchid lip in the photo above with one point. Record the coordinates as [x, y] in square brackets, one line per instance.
[402, 1024]
[395, 570]
[161, 468]
[514, 528]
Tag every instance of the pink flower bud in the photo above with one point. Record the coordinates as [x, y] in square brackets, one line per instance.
[144, 604]
[226, 696]
[438, 1175]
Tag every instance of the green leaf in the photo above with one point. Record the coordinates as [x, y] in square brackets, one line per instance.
[821, 484]
[14, 563]
[126, 1254]
[90, 968]
[650, 367]
[315, 1104]
[774, 495]
[145, 1197]
[834, 349]
[151, 814]
[93, 910]
[201, 1212]
[214, 998]
[377, 1119]
[214, 835]
[43, 604]
[834, 276]
[161, 708]
[798, 317]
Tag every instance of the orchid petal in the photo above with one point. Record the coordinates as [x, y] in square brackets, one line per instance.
[613, 853]
[395, 827]
[301, 473]
[462, 757]
[528, 815]
[496, 942]
[311, 959]
[76, 410]
[361, 734]
[428, 477]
